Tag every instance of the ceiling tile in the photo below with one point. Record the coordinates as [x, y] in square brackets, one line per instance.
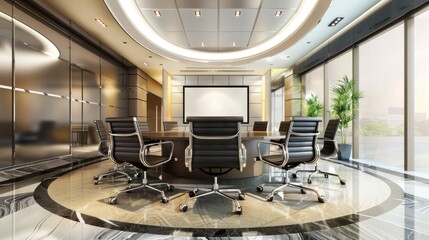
[207, 21]
[267, 21]
[209, 39]
[241, 39]
[169, 20]
[229, 22]
[178, 38]
[194, 4]
[273, 4]
[259, 37]
[156, 4]
[239, 3]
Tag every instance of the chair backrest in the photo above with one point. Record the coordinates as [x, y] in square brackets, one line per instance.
[103, 146]
[302, 147]
[170, 126]
[284, 126]
[330, 147]
[260, 126]
[126, 140]
[215, 142]
[144, 126]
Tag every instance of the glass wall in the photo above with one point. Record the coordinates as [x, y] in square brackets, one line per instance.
[6, 83]
[381, 111]
[51, 96]
[421, 89]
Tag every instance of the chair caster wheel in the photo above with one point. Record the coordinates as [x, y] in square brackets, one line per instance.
[241, 196]
[193, 193]
[270, 198]
[259, 188]
[113, 200]
[183, 207]
[321, 199]
[294, 175]
[239, 210]
[96, 181]
[326, 175]
[343, 182]
[309, 181]
[170, 188]
[303, 191]
[165, 200]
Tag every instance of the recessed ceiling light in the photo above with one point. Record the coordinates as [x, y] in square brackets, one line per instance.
[335, 21]
[145, 63]
[197, 13]
[157, 13]
[124, 42]
[233, 44]
[278, 13]
[100, 22]
[308, 42]
[237, 13]
[203, 44]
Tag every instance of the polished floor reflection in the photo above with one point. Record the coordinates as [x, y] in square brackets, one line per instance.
[373, 204]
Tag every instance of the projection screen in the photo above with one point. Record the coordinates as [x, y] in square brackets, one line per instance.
[216, 101]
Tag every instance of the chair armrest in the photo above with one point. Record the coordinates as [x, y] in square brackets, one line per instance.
[188, 158]
[243, 157]
[283, 150]
[144, 152]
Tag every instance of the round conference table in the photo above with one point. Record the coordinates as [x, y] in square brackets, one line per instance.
[180, 139]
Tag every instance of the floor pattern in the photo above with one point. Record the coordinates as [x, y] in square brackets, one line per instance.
[400, 211]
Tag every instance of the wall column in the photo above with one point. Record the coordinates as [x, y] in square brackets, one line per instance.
[137, 94]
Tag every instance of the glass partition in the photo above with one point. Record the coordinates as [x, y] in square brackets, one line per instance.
[6, 115]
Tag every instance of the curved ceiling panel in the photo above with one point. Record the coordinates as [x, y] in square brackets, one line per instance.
[225, 31]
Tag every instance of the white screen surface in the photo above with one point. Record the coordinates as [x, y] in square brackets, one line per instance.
[216, 101]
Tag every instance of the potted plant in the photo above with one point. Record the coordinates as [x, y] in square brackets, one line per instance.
[314, 106]
[344, 107]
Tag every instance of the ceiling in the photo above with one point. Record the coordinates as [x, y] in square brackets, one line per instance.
[217, 27]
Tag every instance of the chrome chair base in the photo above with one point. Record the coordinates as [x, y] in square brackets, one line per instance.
[214, 190]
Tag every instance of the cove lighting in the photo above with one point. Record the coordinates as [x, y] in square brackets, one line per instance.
[128, 14]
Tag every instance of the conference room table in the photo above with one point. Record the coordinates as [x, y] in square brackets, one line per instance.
[180, 139]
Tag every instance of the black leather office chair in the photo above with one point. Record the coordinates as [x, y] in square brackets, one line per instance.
[144, 127]
[300, 146]
[283, 127]
[260, 126]
[329, 149]
[215, 148]
[127, 146]
[170, 126]
[103, 149]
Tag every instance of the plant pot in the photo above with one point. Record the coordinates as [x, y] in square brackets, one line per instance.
[344, 151]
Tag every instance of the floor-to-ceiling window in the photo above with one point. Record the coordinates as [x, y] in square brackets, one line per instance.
[277, 109]
[381, 111]
[420, 72]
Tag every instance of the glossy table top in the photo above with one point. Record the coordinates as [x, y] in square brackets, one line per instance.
[182, 135]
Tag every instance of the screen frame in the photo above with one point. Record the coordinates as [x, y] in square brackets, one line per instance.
[245, 120]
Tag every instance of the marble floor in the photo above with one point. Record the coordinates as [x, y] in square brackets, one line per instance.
[374, 204]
